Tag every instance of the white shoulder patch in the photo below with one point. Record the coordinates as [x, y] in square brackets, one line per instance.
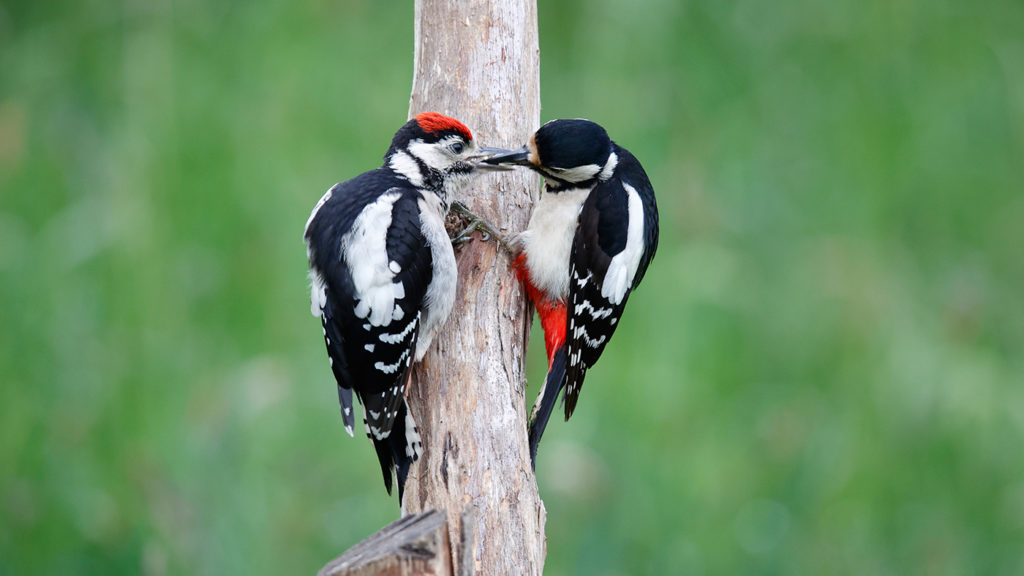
[622, 269]
[364, 250]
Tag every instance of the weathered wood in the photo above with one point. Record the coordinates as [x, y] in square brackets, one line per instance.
[478, 60]
[414, 545]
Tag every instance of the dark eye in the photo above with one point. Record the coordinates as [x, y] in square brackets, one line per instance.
[457, 147]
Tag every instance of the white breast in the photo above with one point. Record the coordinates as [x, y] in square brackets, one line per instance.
[441, 290]
[548, 239]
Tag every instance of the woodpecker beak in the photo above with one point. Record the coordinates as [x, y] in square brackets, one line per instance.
[482, 160]
[506, 158]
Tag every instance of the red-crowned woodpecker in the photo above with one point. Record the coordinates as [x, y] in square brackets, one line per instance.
[591, 236]
[383, 276]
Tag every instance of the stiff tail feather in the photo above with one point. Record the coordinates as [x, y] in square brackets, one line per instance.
[399, 450]
[345, 401]
[545, 403]
[387, 460]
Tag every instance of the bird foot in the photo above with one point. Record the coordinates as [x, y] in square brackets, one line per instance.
[476, 223]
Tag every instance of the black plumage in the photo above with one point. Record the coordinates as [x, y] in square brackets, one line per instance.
[346, 334]
[382, 267]
[600, 236]
[598, 195]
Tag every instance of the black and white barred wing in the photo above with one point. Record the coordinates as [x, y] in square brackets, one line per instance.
[607, 254]
[370, 286]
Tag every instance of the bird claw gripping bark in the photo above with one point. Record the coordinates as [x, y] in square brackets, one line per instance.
[476, 223]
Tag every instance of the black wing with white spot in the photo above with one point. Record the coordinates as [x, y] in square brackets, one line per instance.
[635, 174]
[372, 266]
[615, 241]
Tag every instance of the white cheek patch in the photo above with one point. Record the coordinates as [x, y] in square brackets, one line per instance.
[433, 155]
[577, 174]
[622, 269]
[404, 164]
[364, 250]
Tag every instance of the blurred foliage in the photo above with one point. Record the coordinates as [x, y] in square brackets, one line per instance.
[822, 373]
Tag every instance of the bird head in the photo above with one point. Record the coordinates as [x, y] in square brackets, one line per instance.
[567, 153]
[432, 150]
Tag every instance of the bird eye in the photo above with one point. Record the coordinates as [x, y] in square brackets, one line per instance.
[457, 147]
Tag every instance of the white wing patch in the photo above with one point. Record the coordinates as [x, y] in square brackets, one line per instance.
[365, 251]
[622, 269]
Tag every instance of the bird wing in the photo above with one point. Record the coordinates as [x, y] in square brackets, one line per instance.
[374, 279]
[609, 254]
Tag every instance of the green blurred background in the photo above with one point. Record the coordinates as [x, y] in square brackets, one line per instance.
[823, 372]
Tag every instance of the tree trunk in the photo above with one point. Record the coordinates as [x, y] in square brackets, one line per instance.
[478, 61]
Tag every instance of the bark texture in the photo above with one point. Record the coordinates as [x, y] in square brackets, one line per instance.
[478, 61]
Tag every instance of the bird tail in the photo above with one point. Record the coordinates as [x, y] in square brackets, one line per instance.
[345, 401]
[399, 450]
[545, 402]
[387, 460]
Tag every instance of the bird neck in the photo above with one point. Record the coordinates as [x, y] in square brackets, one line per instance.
[416, 171]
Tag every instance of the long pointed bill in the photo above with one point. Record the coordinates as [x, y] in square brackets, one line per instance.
[509, 157]
[481, 160]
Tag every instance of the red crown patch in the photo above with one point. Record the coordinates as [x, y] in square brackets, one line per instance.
[433, 122]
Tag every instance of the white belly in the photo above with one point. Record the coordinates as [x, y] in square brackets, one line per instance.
[548, 239]
[441, 291]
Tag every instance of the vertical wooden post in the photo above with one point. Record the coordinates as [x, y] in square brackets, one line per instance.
[471, 504]
[478, 61]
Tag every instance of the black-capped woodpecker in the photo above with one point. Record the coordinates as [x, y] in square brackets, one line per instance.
[590, 239]
[383, 276]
